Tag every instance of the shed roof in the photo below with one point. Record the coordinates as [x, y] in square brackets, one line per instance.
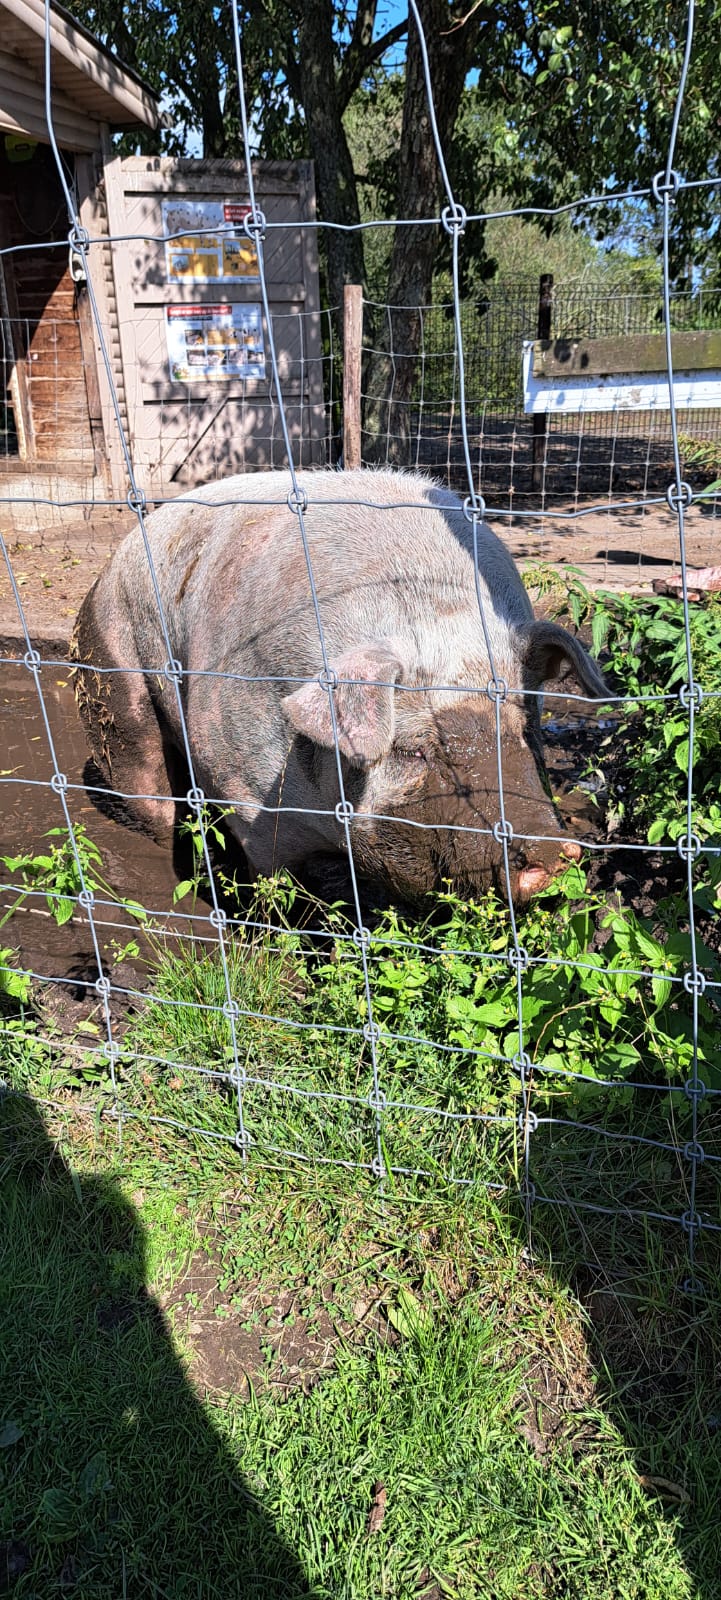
[89, 84]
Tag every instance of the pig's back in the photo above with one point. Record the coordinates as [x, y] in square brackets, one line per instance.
[390, 552]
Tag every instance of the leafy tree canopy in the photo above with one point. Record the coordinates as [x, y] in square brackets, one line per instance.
[536, 104]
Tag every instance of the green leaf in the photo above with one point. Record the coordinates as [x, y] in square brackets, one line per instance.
[181, 889]
[656, 830]
[10, 1432]
[496, 1012]
[58, 1510]
[408, 1316]
[661, 989]
[680, 755]
[94, 1476]
[599, 630]
[14, 984]
[611, 1009]
[62, 909]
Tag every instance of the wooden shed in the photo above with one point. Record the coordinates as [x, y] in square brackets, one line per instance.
[52, 440]
[191, 345]
[174, 275]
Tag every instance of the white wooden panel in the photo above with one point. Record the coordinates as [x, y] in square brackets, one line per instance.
[620, 391]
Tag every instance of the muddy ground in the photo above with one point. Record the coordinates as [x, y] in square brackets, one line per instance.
[53, 570]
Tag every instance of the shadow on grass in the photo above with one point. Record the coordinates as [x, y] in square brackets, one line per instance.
[607, 1222]
[115, 1482]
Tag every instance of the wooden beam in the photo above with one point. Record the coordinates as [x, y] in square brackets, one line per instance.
[635, 352]
[352, 352]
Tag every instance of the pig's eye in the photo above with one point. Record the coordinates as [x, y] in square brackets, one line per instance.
[410, 753]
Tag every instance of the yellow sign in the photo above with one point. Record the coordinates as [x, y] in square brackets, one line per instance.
[195, 254]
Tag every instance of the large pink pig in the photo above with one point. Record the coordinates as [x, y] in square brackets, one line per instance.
[392, 558]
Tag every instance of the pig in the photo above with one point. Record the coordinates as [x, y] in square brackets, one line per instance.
[392, 561]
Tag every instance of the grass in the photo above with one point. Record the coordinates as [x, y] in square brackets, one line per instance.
[469, 1395]
[272, 1379]
[211, 1377]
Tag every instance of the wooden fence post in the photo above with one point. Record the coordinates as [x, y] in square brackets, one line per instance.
[352, 351]
[540, 423]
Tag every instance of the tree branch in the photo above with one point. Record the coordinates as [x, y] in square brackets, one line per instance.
[363, 25]
[356, 62]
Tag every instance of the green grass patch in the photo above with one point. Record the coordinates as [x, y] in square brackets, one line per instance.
[487, 1416]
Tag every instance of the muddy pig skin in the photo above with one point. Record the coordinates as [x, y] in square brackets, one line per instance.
[392, 558]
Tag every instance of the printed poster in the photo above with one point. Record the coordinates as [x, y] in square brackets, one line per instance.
[214, 342]
[197, 255]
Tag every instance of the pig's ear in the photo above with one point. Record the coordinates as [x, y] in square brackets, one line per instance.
[364, 709]
[551, 652]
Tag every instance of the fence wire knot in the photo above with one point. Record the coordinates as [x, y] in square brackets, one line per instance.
[694, 1089]
[527, 1122]
[517, 958]
[691, 1223]
[679, 494]
[689, 849]
[371, 1032]
[527, 1191]
[297, 501]
[231, 1010]
[218, 919]
[522, 1062]
[344, 811]
[173, 670]
[378, 1167]
[377, 1100]
[691, 694]
[693, 1151]
[86, 899]
[503, 830]
[111, 1049]
[474, 508]
[78, 237]
[497, 689]
[362, 938]
[328, 678]
[242, 1140]
[31, 660]
[58, 783]
[694, 1287]
[694, 982]
[195, 798]
[454, 218]
[103, 985]
[661, 185]
[255, 223]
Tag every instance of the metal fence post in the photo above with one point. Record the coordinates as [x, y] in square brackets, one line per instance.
[540, 423]
[352, 351]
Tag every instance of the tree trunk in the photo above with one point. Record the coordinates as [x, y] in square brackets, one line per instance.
[334, 174]
[392, 375]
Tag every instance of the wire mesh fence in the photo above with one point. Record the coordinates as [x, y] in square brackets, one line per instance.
[588, 456]
[273, 1022]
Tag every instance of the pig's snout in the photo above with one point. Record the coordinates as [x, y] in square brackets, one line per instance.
[531, 879]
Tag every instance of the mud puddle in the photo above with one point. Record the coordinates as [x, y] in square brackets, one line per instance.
[134, 867]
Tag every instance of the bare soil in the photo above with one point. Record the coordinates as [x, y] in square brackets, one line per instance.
[235, 1334]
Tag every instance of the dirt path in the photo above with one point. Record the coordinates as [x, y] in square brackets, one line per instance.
[613, 550]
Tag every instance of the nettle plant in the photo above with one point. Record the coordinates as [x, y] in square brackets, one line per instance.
[602, 996]
[644, 644]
